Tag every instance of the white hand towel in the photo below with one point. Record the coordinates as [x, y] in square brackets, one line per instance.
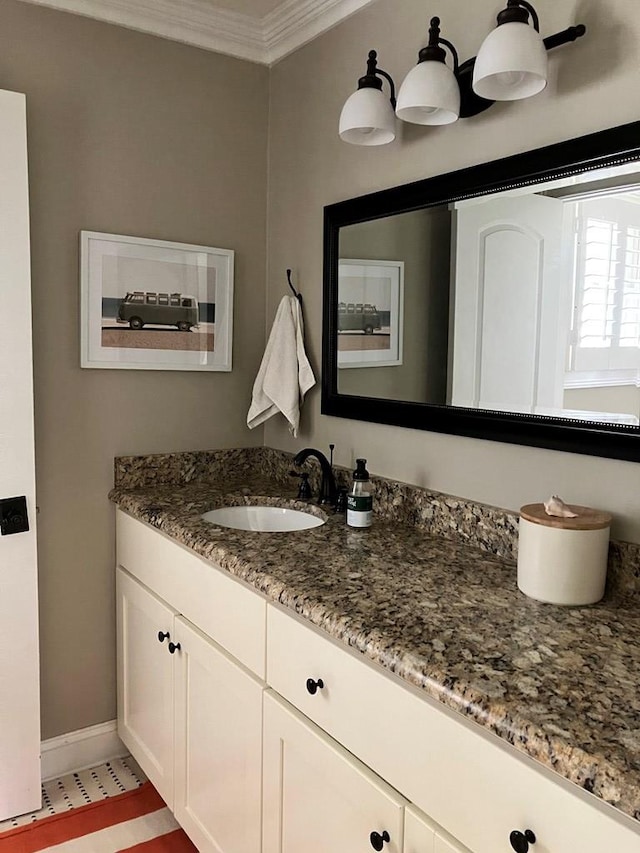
[285, 374]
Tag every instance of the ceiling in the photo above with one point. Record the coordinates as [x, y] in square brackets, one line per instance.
[259, 30]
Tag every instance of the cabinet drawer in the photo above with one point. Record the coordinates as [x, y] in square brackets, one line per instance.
[470, 782]
[221, 606]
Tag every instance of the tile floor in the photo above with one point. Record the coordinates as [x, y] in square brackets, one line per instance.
[85, 786]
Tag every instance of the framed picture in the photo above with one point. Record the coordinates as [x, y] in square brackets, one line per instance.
[154, 305]
[370, 313]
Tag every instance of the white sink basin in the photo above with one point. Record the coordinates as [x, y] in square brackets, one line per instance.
[266, 519]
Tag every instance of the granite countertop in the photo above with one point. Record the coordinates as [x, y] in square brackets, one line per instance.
[559, 684]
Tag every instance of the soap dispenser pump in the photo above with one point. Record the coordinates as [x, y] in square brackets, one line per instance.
[360, 500]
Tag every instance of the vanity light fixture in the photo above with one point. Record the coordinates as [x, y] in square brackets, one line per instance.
[512, 64]
[368, 117]
[430, 93]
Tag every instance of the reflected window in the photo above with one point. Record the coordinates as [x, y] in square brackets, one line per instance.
[607, 303]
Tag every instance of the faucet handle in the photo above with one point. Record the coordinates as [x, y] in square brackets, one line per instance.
[304, 489]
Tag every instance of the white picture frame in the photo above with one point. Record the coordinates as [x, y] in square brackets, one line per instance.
[154, 305]
[370, 313]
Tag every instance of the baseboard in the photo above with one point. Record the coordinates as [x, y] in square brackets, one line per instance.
[80, 749]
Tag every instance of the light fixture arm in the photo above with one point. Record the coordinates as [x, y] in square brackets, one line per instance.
[392, 85]
[371, 81]
[433, 51]
[454, 54]
[516, 12]
[564, 37]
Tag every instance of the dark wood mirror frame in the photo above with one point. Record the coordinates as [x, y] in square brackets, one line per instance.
[598, 150]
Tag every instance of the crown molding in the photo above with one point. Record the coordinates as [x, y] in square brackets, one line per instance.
[200, 23]
[297, 22]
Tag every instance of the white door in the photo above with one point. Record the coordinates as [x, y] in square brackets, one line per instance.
[512, 305]
[218, 746]
[19, 668]
[145, 680]
[317, 797]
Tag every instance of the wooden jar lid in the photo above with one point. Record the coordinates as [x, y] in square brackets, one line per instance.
[587, 518]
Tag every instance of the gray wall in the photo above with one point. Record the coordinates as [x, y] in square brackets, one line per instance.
[135, 135]
[593, 85]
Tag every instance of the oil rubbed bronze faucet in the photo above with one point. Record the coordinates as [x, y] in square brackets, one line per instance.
[328, 483]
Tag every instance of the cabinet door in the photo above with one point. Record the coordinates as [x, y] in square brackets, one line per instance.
[145, 681]
[419, 833]
[317, 797]
[218, 745]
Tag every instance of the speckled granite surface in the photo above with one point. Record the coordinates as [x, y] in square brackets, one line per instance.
[495, 530]
[560, 684]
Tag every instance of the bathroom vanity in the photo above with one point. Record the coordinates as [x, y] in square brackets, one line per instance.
[331, 689]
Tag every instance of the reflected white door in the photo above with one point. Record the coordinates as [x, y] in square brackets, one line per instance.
[19, 681]
[512, 304]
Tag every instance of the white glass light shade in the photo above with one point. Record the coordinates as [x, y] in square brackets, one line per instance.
[511, 64]
[429, 94]
[367, 118]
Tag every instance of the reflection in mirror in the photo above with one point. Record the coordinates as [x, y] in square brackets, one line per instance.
[412, 326]
[524, 301]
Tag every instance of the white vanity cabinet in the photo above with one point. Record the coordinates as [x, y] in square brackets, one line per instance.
[265, 735]
[473, 784]
[317, 797]
[189, 711]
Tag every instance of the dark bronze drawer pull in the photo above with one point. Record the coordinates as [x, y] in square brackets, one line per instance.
[378, 841]
[520, 841]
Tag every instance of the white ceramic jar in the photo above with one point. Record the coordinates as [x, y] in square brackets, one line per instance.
[563, 560]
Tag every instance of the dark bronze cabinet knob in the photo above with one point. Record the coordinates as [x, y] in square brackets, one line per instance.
[378, 841]
[173, 648]
[520, 841]
[162, 636]
[314, 686]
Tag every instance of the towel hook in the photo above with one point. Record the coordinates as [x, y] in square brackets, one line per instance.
[297, 295]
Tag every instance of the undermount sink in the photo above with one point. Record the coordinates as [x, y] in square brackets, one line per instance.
[265, 519]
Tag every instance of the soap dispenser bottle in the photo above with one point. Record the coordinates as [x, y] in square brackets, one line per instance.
[360, 500]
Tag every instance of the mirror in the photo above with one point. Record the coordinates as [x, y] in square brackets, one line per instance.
[501, 301]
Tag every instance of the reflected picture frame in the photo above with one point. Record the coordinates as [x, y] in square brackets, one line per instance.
[370, 320]
[150, 304]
